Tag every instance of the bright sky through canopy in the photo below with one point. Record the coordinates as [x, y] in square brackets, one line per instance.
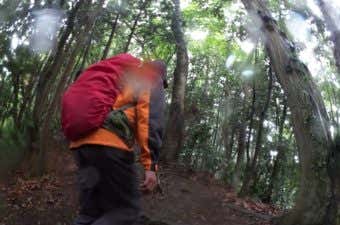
[197, 35]
[185, 3]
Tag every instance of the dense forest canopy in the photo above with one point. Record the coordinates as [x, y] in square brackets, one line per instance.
[254, 95]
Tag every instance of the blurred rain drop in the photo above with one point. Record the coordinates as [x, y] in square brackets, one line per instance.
[301, 30]
[247, 73]
[45, 28]
[15, 41]
[117, 6]
[314, 8]
[105, 3]
[333, 8]
[272, 152]
[253, 27]
[230, 61]
[298, 27]
[247, 45]
[302, 5]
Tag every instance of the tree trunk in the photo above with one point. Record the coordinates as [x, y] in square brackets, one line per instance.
[310, 122]
[86, 52]
[175, 126]
[31, 91]
[109, 42]
[15, 98]
[228, 138]
[280, 158]
[52, 69]
[217, 123]
[251, 170]
[240, 155]
[38, 160]
[251, 118]
[133, 29]
[332, 27]
[26, 102]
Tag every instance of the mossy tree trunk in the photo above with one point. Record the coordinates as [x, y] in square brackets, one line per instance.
[314, 204]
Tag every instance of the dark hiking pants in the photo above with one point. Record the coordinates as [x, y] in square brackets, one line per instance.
[108, 186]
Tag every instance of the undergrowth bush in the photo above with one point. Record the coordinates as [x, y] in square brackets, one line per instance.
[12, 146]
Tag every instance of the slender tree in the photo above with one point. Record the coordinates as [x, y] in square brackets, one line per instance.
[280, 158]
[39, 158]
[109, 42]
[175, 125]
[251, 122]
[251, 170]
[49, 73]
[240, 155]
[134, 26]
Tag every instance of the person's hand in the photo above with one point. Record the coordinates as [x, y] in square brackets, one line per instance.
[150, 181]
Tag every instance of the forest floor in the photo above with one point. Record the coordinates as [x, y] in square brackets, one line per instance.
[185, 198]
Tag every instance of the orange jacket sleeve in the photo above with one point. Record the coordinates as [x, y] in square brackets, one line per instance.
[150, 119]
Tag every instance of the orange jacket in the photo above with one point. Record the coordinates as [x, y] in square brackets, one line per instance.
[146, 116]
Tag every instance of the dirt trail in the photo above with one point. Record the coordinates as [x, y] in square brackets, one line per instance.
[186, 199]
[189, 201]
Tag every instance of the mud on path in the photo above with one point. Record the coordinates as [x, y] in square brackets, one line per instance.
[184, 199]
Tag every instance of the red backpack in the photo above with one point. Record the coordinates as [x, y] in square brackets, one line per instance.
[87, 102]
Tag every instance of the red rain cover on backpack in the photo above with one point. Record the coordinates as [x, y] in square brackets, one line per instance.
[86, 103]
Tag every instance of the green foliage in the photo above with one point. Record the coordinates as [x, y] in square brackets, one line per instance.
[227, 66]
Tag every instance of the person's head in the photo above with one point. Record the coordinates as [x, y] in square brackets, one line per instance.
[159, 67]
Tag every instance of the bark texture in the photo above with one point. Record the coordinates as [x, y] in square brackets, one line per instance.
[175, 125]
[310, 122]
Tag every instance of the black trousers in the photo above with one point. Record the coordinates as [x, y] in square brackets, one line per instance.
[108, 186]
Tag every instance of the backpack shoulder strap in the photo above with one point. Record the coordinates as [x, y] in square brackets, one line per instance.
[127, 106]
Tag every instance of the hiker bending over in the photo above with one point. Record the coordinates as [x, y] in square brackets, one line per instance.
[109, 191]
